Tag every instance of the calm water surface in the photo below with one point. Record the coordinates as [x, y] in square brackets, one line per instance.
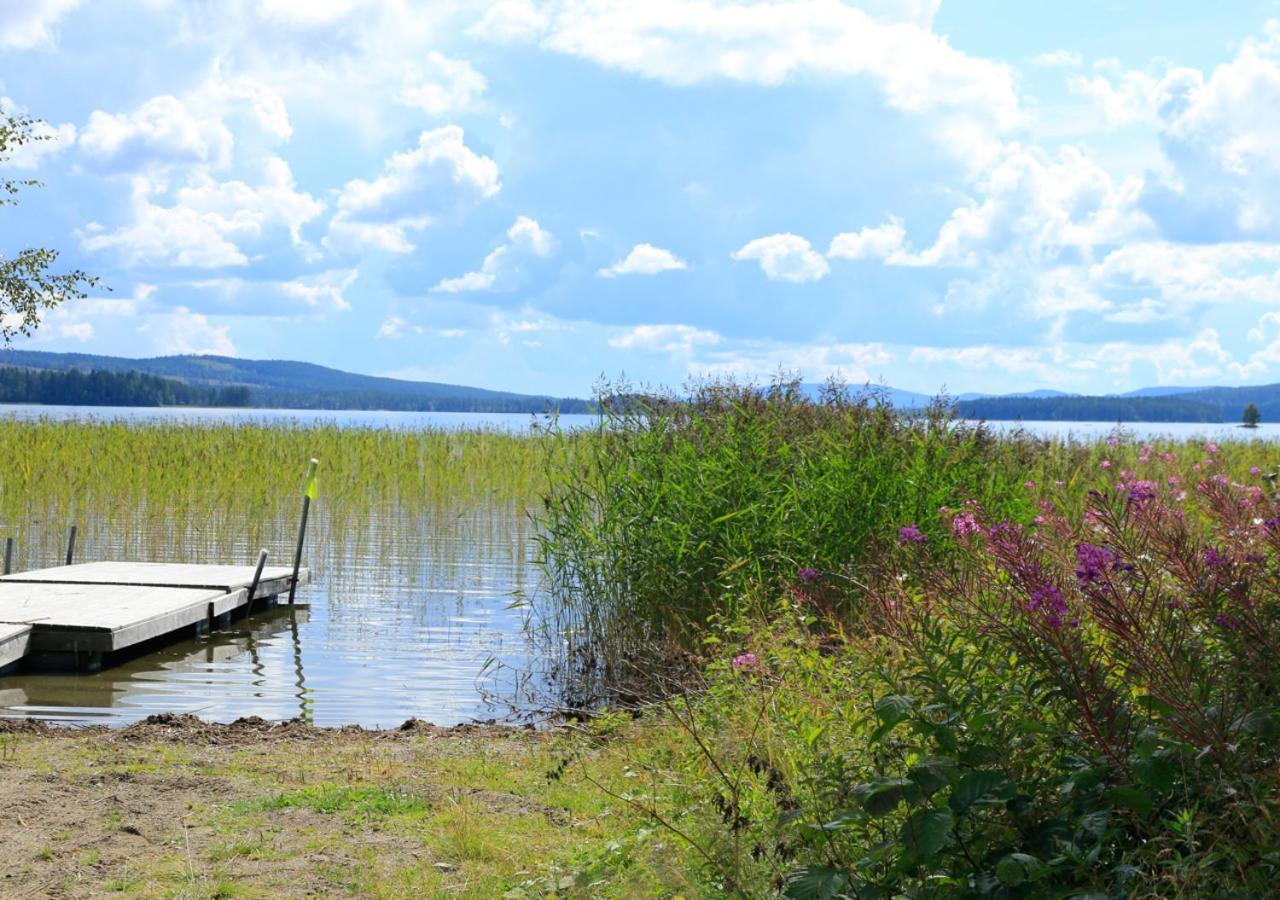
[422, 617]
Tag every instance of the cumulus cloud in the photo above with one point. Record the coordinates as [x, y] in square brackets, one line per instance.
[785, 257]
[502, 269]
[881, 242]
[774, 41]
[644, 259]
[162, 131]
[442, 86]
[184, 331]
[417, 187]
[29, 23]
[664, 339]
[207, 221]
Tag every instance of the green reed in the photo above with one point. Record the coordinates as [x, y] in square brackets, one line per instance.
[201, 492]
[684, 509]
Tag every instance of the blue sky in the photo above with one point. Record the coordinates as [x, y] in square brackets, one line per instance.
[526, 195]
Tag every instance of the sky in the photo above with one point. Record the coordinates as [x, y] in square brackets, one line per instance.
[532, 195]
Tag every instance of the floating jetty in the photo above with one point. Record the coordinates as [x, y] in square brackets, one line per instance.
[74, 616]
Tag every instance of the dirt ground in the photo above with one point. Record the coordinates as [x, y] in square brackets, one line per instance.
[177, 807]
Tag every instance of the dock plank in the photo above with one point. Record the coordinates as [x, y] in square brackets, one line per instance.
[102, 618]
[13, 643]
[275, 579]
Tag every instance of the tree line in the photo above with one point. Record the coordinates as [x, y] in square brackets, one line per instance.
[100, 388]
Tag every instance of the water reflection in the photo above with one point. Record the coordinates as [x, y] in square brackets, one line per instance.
[403, 613]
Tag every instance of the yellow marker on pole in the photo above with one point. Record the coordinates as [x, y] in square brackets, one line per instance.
[308, 494]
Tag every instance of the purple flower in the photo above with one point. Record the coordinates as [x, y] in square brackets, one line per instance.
[910, 534]
[1211, 448]
[965, 523]
[1214, 558]
[1092, 562]
[1113, 440]
[1255, 470]
[1106, 464]
[1230, 623]
[808, 575]
[1141, 491]
[746, 662]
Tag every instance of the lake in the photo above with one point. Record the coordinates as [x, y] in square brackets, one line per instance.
[417, 609]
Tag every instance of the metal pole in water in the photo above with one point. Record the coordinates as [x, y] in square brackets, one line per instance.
[71, 545]
[257, 576]
[307, 496]
[8, 555]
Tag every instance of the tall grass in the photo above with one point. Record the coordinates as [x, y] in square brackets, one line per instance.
[218, 492]
[681, 509]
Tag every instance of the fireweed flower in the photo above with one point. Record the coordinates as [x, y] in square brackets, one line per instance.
[1213, 557]
[1255, 470]
[1106, 464]
[965, 523]
[1211, 448]
[910, 534]
[1113, 440]
[1140, 492]
[1092, 562]
[808, 575]
[746, 663]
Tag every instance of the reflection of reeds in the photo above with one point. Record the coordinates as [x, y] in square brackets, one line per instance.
[194, 492]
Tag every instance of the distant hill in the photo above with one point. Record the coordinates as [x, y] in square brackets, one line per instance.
[298, 385]
[1218, 404]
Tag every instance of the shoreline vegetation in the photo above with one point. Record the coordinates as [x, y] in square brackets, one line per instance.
[818, 650]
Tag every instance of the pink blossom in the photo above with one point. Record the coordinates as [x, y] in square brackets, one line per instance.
[1106, 464]
[1211, 448]
[746, 663]
[1255, 470]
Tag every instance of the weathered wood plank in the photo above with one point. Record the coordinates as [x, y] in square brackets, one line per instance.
[101, 618]
[13, 643]
[275, 579]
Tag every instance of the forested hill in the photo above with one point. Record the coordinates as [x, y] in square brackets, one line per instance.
[283, 384]
[101, 388]
[1196, 405]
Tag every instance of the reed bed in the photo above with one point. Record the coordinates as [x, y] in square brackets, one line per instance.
[198, 492]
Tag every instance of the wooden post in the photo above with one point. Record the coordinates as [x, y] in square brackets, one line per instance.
[71, 545]
[307, 497]
[8, 555]
[257, 576]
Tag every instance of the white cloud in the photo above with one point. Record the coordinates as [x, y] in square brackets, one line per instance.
[162, 131]
[644, 259]
[1144, 311]
[785, 257]
[184, 331]
[1042, 208]
[208, 220]
[441, 175]
[394, 327]
[774, 41]
[854, 362]
[664, 339]
[443, 86]
[29, 23]
[502, 269]
[315, 294]
[1058, 58]
[881, 242]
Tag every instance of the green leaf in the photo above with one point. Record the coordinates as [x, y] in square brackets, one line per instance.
[1157, 773]
[980, 788]
[1020, 868]
[883, 795]
[817, 884]
[1133, 799]
[932, 774]
[927, 831]
[890, 710]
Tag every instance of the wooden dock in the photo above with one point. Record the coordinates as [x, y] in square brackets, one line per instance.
[74, 616]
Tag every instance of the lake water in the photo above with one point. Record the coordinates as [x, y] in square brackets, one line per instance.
[425, 618]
